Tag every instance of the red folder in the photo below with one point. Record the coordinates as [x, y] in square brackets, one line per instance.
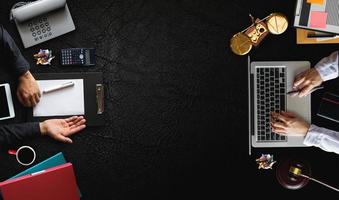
[57, 183]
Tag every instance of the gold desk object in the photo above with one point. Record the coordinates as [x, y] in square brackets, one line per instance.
[241, 43]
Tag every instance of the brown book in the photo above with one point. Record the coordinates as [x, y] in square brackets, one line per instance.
[304, 36]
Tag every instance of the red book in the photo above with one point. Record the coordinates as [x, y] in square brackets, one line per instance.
[57, 183]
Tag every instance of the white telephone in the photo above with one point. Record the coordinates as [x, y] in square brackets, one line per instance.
[42, 20]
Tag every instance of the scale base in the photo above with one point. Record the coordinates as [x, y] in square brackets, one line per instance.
[289, 180]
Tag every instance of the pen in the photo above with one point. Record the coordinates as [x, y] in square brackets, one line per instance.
[58, 87]
[321, 36]
[294, 92]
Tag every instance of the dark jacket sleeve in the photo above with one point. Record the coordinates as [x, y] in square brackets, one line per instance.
[17, 63]
[14, 133]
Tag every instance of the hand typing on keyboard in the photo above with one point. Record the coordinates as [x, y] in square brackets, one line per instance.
[287, 123]
[306, 81]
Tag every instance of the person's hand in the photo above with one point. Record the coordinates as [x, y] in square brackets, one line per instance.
[306, 81]
[28, 90]
[287, 123]
[61, 129]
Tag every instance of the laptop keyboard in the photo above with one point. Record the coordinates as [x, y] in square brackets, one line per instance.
[271, 97]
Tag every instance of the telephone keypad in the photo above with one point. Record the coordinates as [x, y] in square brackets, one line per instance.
[40, 28]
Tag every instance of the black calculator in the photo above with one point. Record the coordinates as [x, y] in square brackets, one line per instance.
[78, 57]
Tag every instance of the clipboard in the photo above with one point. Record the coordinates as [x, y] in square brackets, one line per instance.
[93, 95]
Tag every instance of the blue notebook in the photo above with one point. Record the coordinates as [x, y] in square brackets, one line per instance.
[56, 160]
[53, 161]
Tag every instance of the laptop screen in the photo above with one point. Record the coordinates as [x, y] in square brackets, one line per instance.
[4, 110]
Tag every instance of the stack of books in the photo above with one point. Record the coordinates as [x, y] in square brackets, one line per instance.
[52, 179]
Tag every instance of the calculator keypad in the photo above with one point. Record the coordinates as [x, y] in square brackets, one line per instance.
[40, 28]
[73, 56]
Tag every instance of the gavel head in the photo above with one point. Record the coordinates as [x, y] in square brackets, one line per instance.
[294, 173]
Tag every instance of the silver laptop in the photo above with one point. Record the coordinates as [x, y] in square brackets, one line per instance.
[45, 26]
[268, 84]
[304, 10]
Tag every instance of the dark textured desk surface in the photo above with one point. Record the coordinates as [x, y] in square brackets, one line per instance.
[176, 101]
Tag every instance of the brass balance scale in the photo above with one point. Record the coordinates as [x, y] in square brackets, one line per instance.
[241, 43]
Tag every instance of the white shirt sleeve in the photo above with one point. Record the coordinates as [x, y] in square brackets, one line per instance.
[328, 67]
[323, 138]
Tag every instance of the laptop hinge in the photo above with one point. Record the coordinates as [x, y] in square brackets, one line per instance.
[250, 105]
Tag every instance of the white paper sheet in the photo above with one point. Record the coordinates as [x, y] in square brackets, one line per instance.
[66, 101]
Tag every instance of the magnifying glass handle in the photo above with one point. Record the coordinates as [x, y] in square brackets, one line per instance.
[11, 152]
